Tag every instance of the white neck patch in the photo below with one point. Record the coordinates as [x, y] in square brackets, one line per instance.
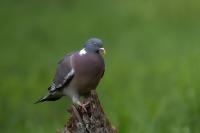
[82, 52]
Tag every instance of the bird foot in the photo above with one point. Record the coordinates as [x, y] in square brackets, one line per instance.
[84, 106]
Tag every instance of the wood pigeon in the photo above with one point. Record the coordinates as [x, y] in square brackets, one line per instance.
[78, 73]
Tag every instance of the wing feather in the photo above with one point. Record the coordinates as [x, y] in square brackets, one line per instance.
[64, 74]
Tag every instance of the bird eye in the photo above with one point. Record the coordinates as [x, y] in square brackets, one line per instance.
[97, 51]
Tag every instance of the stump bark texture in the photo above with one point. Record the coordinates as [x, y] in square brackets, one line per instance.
[92, 121]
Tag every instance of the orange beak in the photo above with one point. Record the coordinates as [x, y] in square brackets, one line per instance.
[102, 51]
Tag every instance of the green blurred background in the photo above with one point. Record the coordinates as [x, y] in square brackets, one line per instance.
[151, 84]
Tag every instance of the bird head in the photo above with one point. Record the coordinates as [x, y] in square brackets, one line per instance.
[95, 45]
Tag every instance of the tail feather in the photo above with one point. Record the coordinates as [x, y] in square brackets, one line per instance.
[43, 99]
[50, 97]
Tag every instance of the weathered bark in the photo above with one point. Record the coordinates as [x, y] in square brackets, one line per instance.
[92, 121]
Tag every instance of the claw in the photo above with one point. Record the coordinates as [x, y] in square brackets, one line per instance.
[84, 105]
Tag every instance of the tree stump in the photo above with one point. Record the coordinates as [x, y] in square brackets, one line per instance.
[92, 121]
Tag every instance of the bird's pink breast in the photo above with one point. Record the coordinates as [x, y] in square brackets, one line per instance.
[88, 70]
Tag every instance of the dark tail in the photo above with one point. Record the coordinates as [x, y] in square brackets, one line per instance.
[43, 99]
[50, 97]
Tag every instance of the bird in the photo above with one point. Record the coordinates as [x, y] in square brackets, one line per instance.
[78, 73]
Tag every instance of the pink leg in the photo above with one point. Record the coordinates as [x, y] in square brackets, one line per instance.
[82, 105]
